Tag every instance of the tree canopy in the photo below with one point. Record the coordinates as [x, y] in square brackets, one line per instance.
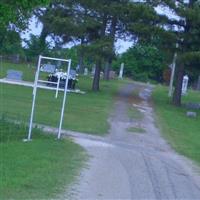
[184, 31]
[143, 62]
[17, 11]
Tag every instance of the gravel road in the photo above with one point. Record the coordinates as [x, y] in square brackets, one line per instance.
[126, 165]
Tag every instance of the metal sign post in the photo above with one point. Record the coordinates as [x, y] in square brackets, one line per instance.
[172, 75]
[46, 87]
[64, 99]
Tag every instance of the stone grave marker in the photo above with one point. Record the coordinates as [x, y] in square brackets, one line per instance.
[14, 74]
[121, 70]
[49, 68]
[86, 71]
[191, 114]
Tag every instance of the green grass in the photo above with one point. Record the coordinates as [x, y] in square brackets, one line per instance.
[182, 132]
[85, 113]
[136, 130]
[134, 113]
[40, 169]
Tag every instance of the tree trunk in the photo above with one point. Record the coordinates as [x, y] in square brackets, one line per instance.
[178, 86]
[96, 79]
[110, 58]
[107, 69]
[95, 84]
[43, 36]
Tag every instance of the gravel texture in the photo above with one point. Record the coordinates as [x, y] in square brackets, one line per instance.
[125, 165]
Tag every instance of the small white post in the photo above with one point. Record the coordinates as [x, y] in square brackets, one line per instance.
[33, 102]
[172, 75]
[172, 72]
[58, 84]
[64, 99]
[121, 70]
[86, 71]
[185, 84]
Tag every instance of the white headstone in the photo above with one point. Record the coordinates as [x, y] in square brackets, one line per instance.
[121, 70]
[86, 71]
[185, 84]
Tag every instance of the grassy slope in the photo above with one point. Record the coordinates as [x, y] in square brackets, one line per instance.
[183, 133]
[85, 113]
[40, 169]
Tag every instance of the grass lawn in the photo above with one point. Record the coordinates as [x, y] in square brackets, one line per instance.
[182, 132]
[134, 113]
[85, 113]
[41, 169]
[136, 130]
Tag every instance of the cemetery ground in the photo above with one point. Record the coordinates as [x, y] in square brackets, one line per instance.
[139, 164]
[44, 167]
[182, 132]
[84, 113]
[129, 160]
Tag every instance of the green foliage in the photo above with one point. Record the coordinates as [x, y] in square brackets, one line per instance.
[10, 42]
[143, 62]
[136, 130]
[35, 47]
[17, 11]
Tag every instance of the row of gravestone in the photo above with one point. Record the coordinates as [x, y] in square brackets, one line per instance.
[112, 74]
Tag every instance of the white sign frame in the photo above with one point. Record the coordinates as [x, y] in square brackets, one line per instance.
[46, 87]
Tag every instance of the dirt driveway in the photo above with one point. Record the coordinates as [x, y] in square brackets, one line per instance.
[127, 165]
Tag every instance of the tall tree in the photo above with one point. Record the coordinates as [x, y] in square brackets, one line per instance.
[183, 26]
[96, 25]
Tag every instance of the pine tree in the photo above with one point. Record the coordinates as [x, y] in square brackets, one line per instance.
[96, 25]
[184, 31]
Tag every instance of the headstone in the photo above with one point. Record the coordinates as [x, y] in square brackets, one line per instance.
[191, 114]
[15, 58]
[198, 83]
[48, 68]
[72, 73]
[112, 74]
[78, 68]
[185, 84]
[59, 63]
[195, 106]
[86, 71]
[14, 74]
[121, 70]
